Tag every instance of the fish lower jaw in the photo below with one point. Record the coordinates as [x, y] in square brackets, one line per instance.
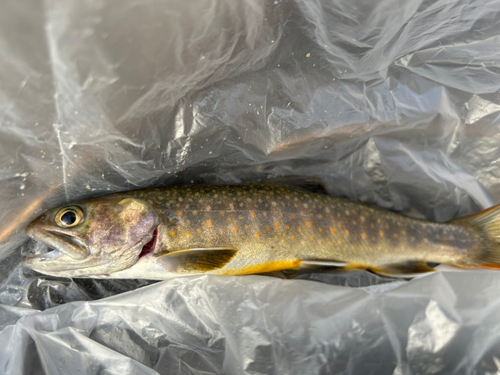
[50, 255]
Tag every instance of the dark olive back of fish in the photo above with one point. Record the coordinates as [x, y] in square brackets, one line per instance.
[297, 222]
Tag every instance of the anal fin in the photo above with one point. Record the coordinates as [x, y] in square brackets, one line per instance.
[404, 270]
[321, 263]
[197, 260]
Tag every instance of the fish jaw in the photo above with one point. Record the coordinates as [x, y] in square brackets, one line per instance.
[59, 240]
[58, 262]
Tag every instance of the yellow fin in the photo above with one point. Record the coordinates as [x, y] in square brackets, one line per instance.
[321, 263]
[404, 270]
[197, 260]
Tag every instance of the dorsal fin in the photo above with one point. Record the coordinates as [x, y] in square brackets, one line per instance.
[308, 183]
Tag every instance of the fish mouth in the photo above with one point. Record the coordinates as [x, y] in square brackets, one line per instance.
[58, 243]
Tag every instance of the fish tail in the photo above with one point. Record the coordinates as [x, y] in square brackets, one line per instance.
[487, 224]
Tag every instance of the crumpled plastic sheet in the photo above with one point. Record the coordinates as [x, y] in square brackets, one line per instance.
[394, 103]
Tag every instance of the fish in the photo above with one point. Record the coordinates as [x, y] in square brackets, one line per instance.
[281, 224]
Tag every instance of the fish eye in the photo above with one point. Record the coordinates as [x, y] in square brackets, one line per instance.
[69, 217]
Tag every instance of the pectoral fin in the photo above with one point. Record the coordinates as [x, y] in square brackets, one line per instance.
[406, 270]
[197, 260]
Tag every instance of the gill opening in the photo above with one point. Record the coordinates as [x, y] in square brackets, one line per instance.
[148, 248]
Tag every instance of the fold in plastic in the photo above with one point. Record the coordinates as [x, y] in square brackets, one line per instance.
[262, 325]
[391, 102]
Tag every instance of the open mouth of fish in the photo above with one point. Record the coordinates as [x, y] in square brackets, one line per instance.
[42, 252]
[50, 246]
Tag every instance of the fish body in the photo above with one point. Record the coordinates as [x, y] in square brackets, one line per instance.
[247, 229]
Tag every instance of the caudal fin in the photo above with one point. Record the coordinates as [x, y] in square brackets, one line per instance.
[487, 224]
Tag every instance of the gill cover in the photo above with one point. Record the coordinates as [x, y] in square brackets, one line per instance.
[97, 236]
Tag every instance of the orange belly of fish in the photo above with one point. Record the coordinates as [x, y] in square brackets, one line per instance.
[261, 268]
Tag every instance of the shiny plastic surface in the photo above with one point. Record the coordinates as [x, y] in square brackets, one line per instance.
[395, 103]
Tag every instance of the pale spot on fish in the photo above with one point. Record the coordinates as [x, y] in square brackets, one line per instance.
[222, 213]
[426, 240]
[179, 213]
[208, 223]
[320, 216]
[327, 210]
[299, 229]
[292, 236]
[403, 232]
[172, 233]
[277, 225]
[247, 227]
[249, 199]
[346, 233]
[273, 203]
[189, 234]
[257, 234]
[264, 213]
[309, 224]
[293, 216]
[198, 230]
[181, 199]
[195, 213]
[332, 230]
[363, 235]
[362, 218]
[302, 243]
[268, 228]
[395, 235]
[381, 233]
[231, 206]
[412, 239]
[305, 205]
[235, 229]
[253, 214]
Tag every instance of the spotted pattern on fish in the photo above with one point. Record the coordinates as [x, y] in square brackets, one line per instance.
[291, 223]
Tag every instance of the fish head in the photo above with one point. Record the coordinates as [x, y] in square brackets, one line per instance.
[93, 237]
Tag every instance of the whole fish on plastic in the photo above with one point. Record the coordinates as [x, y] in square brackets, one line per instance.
[246, 229]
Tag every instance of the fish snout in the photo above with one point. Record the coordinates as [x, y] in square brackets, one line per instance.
[32, 227]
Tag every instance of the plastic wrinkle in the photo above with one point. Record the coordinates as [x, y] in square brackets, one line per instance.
[390, 102]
